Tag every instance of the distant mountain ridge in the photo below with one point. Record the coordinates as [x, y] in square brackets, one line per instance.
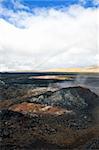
[90, 69]
[93, 69]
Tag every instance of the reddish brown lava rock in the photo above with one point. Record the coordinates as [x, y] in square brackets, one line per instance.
[37, 108]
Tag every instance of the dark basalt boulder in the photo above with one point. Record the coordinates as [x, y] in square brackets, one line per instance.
[7, 115]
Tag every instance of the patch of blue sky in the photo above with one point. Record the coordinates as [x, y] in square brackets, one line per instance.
[59, 3]
[89, 3]
[47, 4]
[10, 5]
[29, 5]
[50, 3]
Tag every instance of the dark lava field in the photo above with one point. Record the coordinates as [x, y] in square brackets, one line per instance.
[49, 114]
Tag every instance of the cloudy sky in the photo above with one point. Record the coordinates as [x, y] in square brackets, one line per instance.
[44, 34]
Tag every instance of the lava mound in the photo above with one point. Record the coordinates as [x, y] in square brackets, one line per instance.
[63, 119]
[75, 98]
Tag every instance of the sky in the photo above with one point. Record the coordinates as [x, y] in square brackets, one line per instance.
[47, 34]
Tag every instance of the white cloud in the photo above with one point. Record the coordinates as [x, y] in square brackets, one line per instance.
[19, 5]
[96, 2]
[52, 38]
